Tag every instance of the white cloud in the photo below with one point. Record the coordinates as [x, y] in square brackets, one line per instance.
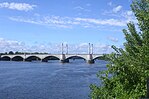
[129, 16]
[55, 48]
[79, 8]
[68, 22]
[113, 39]
[130, 13]
[8, 45]
[88, 4]
[110, 3]
[117, 9]
[112, 22]
[102, 48]
[50, 21]
[17, 6]
[124, 16]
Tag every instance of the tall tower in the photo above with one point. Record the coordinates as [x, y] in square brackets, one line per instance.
[62, 48]
[89, 48]
[66, 48]
[92, 49]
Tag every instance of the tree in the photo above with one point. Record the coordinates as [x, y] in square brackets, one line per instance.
[128, 69]
[11, 52]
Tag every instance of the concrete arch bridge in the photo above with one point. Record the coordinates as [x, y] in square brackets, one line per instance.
[64, 58]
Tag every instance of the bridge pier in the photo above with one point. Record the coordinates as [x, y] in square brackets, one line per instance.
[90, 61]
[44, 60]
[64, 61]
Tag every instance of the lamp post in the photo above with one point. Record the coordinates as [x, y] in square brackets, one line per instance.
[62, 48]
[92, 49]
[89, 49]
[67, 48]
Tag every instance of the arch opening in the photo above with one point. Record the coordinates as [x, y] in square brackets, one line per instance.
[50, 58]
[17, 58]
[76, 59]
[32, 58]
[5, 58]
[98, 59]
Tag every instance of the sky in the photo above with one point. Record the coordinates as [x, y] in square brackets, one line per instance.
[43, 25]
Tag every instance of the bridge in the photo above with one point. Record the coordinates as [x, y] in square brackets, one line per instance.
[64, 58]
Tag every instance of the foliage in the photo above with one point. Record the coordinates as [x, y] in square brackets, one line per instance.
[11, 53]
[128, 70]
[103, 57]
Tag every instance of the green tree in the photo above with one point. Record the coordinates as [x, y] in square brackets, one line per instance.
[11, 52]
[128, 70]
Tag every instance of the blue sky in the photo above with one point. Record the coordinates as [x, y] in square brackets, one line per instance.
[35, 25]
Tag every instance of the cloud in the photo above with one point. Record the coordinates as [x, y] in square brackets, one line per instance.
[110, 3]
[69, 22]
[79, 8]
[125, 16]
[17, 6]
[88, 4]
[8, 45]
[112, 22]
[50, 21]
[129, 16]
[117, 9]
[113, 39]
[130, 13]
[54, 48]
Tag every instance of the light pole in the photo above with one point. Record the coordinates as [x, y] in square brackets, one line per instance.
[67, 48]
[92, 49]
[22, 51]
[89, 49]
[62, 48]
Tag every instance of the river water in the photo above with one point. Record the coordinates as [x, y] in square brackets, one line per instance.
[52, 80]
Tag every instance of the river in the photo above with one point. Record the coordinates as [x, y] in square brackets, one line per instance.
[52, 80]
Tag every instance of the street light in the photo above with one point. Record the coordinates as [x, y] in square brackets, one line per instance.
[62, 48]
[67, 48]
[92, 48]
[89, 49]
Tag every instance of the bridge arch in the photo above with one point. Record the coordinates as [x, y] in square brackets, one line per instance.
[5, 58]
[50, 58]
[17, 58]
[32, 58]
[74, 58]
[99, 58]
[96, 57]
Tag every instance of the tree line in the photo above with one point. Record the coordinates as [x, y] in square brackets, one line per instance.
[11, 53]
